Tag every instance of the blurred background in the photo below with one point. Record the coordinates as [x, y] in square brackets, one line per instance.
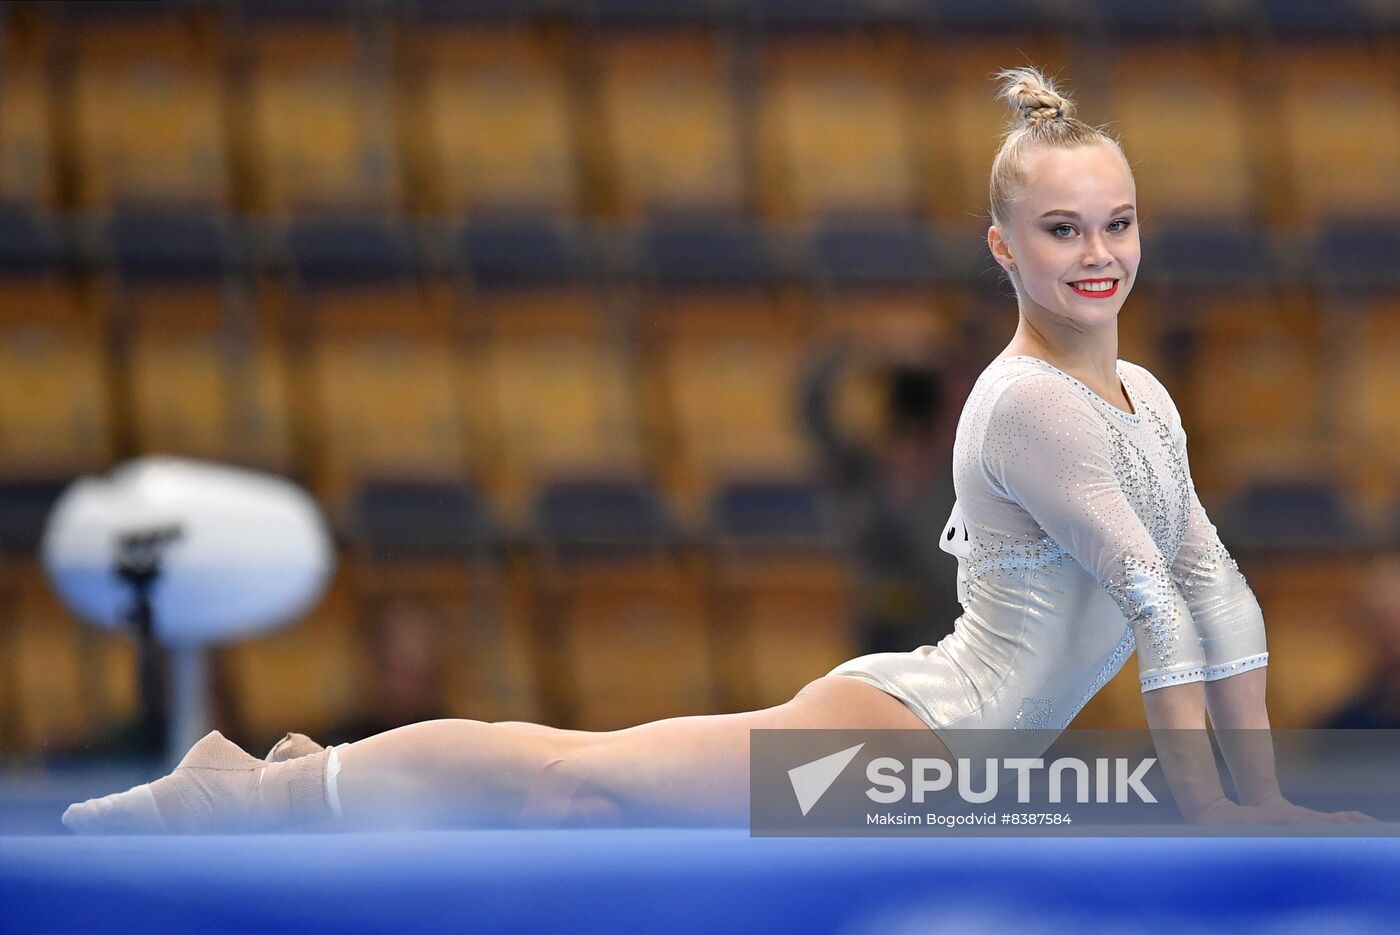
[623, 342]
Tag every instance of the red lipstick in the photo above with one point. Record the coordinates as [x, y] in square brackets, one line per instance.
[1106, 293]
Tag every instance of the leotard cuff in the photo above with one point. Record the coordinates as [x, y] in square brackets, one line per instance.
[1227, 669]
[1180, 677]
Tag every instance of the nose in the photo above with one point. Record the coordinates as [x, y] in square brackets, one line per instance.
[1095, 251]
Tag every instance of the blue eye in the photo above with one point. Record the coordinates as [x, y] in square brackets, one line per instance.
[1124, 221]
[1056, 230]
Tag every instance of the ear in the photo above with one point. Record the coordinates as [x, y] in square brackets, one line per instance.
[997, 244]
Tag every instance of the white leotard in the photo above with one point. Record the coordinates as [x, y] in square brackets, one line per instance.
[1079, 537]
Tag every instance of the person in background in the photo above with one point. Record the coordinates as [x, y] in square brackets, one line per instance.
[893, 492]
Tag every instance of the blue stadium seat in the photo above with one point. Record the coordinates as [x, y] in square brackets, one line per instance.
[1151, 19]
[503, 255]
[1309, 20]
[28, 243]
[412, 520]
[624, 13]
[723, 254]
[1208, 257]
[1289, 515]
[585, 513]
[24, 508]
[874, 254]
[1008, 16]
[769, 512]
[169, 246]
[1358, 256]
[832, 13]
[338, 253]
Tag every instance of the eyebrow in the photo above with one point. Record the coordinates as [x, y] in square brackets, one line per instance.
[1076, 215]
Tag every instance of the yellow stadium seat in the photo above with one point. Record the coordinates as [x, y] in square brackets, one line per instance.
[672, 123]
[625, 642]
[307, 677]
[1253, 410]
[54, 386]
[887, 318]
[66, 682]
[494, 122]
[722, 383]
[26, 124]
[561, 384]
[783, 618]
[148, 115]
[1317, 653]
[834, 129]
[321, 136]
[1368, 388]
[380, 381]
[958, 120]
[1189, 128]
[1117, 706]
[1338, 120]
[200, 385]
[483, 605]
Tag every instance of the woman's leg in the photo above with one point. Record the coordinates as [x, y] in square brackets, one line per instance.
[685, 769]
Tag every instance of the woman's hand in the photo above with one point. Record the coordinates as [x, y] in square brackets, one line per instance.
[1291, 814]
[1273, 810]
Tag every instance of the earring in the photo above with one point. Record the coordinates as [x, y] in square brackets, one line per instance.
[1013, 267]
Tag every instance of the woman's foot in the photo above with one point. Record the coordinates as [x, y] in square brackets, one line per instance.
[217, 788]
[292, 747]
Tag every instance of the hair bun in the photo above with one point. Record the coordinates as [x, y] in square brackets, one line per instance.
[1033, 96]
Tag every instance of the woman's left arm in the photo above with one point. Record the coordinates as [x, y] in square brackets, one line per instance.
[1231, 629]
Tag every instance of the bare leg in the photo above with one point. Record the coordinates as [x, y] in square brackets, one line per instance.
[690, 769]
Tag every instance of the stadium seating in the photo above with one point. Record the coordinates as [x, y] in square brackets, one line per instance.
[320, 136]
[673, 124]
[526, 297]
[28, 159]
[307, 677]
[64, 684]
[149, 114]
[54, 384]
[833, 130]
[494, 119]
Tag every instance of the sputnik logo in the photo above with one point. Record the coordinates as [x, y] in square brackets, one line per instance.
[811, 780]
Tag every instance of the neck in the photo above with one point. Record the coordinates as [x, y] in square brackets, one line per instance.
[1094, 353]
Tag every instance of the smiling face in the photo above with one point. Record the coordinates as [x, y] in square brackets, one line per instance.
[1073, 235]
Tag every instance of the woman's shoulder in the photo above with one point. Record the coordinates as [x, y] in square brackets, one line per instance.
[1024, 390]
[1024, 379]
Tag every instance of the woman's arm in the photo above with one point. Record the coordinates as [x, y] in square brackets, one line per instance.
[1176, 715]
[1241, 723]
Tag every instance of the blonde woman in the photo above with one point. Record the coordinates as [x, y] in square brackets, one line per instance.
[1079, 538]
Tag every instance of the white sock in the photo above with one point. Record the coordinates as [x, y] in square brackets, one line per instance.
[332, 790]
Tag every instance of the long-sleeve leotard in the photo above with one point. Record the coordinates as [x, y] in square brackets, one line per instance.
[1079, 538]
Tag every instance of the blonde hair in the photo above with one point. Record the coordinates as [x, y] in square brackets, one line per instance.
[1043, 117]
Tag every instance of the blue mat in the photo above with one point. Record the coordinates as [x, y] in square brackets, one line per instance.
[681, 881]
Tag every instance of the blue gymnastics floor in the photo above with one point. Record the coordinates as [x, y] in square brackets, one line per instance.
[681, 881]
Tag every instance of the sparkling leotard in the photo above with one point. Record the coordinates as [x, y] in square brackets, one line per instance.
[1079, 537]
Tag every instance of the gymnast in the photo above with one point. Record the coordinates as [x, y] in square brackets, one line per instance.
[1079, 539]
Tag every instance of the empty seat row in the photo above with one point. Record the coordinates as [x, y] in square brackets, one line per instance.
[452, 118]
[678, 393]
[594, 645]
